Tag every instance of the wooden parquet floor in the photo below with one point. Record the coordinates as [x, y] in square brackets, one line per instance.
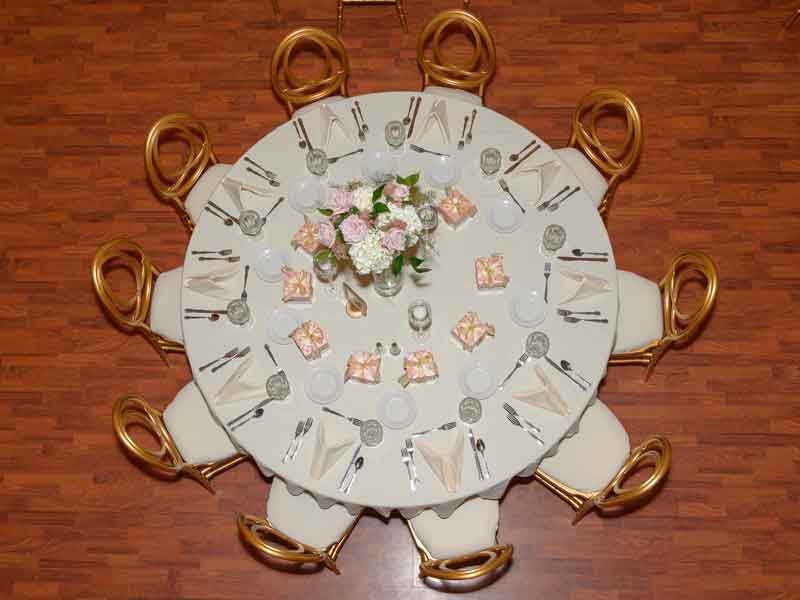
[717, 84]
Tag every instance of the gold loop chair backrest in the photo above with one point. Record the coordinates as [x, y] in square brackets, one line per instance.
[129, 313]
[461, 568]
[174, 185]
[267, 541]
[472, 75]
[614, 163]
[401, 11]
[167, 461]
[296, 92]
[614, 496]
[679, 328]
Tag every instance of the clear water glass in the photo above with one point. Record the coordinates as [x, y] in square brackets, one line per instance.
[387, 283]
[238, 312]
[553, 238]
[491, 159]
[470, 410]
[326, 268]
[317, 162]
[420, 318]
[395, 135]
[429, 218]
[250, 222]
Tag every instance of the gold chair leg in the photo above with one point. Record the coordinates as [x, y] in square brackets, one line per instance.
[792, 19]
[401, 12]
[276, 8]
[339, 17]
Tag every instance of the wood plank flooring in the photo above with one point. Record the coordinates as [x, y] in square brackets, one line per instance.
[718, 86]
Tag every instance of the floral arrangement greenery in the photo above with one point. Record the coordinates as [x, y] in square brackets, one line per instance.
[375, 228]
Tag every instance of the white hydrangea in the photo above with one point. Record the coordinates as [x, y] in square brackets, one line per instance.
[362, 198]
[407, 214]
[368, 255]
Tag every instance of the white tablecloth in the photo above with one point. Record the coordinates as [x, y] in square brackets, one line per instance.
[451, 290]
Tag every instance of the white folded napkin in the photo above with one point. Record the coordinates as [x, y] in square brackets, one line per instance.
[585, 286]
[245, 195]
[542, 394]
[545, 174]
[237, 389]
[328, 449]
[328, 119]
[217, 283]
[438, 115]
[446, 463]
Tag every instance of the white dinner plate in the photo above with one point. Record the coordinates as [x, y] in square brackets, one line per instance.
[397, 409]
[527, 307]
[281, 323]
[378, 165]
[504, 216]
[307, 195]
[442, 171]
[269, 263]
[324, 385]
[477, 381]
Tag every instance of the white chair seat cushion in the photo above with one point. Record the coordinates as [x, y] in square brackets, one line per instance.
[454, 93]
[472, 527]
[591, 179]
[198, 437]
[201, 193]
[302, 519]
[592, 457]
[641, 317]
[315, 105]
[165, 305]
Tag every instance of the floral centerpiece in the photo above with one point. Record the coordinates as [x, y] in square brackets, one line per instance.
[375, 229]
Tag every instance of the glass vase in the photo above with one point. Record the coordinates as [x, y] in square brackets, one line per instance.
[387, 283]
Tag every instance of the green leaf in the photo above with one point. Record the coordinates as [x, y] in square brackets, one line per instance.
[323, 255]
[326, 211]
[339, 235]
[377, 193]
[397, 264]
[378, 208]
[353, 210]
[415, 263]
[412, 179]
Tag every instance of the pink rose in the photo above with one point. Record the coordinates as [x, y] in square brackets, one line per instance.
[398, 224]
[342, 202]
[394, 239]
[326, 234]
[354, 229]
[399, 192]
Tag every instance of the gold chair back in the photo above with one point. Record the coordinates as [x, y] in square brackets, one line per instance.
[130, 313]
[174, 185]
[614, 496]
[296, 92]
[614, 163]
[461, 568]
[167, 460]
[401, 11]
[470, 76]
[679, 328]
[267, 541]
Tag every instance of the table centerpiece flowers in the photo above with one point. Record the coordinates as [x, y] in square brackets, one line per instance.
[376, 230]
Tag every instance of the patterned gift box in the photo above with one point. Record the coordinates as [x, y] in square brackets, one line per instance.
[489, 272]
[419, 367]
[310, 339]
[296, 285]
[455, 208]
[471, 331]
[307, 238]
[364, 367]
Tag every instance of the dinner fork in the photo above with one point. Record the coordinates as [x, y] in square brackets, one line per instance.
[229, 354]
[556, 205]
[298, 430]
[471, 125]
[577, 320]
[336, 159]
[525, 357]
[410, 450]
[363, 120]
[407, 462]
[445, 427]
[361, 135]
[226, 252]
[463, 133]
[242, 353]
[547, 268]
[507, 190]
[223, 211]
[353, 420]
[272, 182]
[421, 150]
[512, 411]
[546, 203]
[563, 312]
[515, 421]
[306, 427]
[230, 259]
[266, 172]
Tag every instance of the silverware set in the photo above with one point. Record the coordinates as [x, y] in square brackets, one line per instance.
[414, 117]
[570, 318]
[568, 374]
[355, 465]
[230, 259]
[301, 142]
[271, 177]
[228, 218]
[556, 201]
[203, 313]
[507, 190]
[271, 356]
[226, 252]
[228, 355]
[240, 354]
[568, 367]
[228, 221]
[583, 258]
[364, 126]
[548, 267]
[514, 157]
[299, 435]
[336, 159]
[353, 420]
[478, 451]
[536, 345]
[256, 412]
[422, 150]
[407, 118]
[463, 133]
[445, 427]
[515, 419]
[471, 125]
[407, 456]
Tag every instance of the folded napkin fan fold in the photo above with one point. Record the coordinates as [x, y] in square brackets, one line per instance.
[543, 394]
[244, 195]
[436, 115]
[446, 464]
[584, 285]
[237, 389]
[330, 119]
[328, 449]
[220, 282]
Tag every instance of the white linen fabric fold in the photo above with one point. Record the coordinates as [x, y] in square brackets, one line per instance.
[330, 445]
[585, 285]
[437, 115]
[217, 283]
[544, 173]
[329, 120]
[235, 389]
[445, 459]
[246, 196]
[542, 394]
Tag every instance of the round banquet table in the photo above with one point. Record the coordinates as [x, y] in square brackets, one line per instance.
[450, 287]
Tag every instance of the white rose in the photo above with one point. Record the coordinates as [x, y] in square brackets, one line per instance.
[362, 198]
[369, 256]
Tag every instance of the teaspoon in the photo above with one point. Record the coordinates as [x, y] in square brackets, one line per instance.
[482, 449]
[579, 252]
[212, 317]
[515, 157]
[357, 468]
[256, 414]
[568, 367]
[407, 118]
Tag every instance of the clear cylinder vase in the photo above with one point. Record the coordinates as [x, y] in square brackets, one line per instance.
[387, 283]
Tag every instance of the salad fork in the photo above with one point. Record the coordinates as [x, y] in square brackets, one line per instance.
[445, 427]
[406, 459]
[298, 430]
[226, 252]
[547, 268]
[306, 427]
[515, 421]
[546, 203]
[229, 354]
[410, 450]
[512, 411]
[353, 420]
[242, 353]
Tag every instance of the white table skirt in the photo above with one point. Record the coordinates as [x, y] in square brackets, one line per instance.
[449, 287]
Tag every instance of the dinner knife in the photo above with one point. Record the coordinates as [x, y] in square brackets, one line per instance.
[248, 411]
[558, 368]
[414, 118]
[520, 161]
[583, 258]
[349, 466]
[475, 453]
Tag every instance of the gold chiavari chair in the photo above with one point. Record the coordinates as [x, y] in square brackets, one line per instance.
[194, 435]
[585, 462]
[647, 308]
[275, 8]
[190, 186]
[790, 21]
[291, 517]
[401, 12]
[601, 168]
[464, 545]
[296, 92]
[153, 289]
[439, 74]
